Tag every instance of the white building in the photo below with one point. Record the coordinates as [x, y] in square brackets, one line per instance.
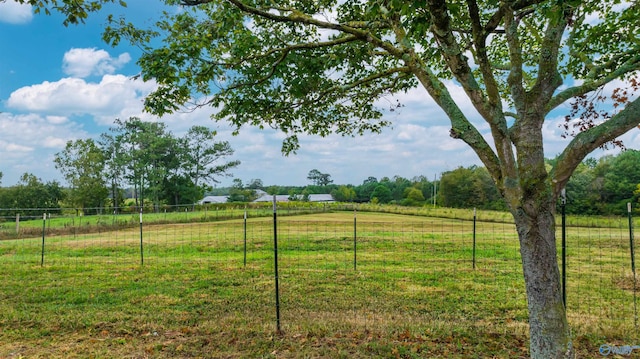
[265, 197]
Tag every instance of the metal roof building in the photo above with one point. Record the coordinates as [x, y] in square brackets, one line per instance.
[265, 197]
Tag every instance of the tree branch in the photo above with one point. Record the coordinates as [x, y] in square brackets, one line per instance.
[301, 18]
[629, 66]
[515, 77]
[460, 126]
[292, 47]
[272, 71]
[498, 121]
[479, 40]
[349, 86]
[455, 58]
[589, 140]
[548, 76]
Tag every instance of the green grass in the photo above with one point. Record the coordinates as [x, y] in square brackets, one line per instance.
[413, 293]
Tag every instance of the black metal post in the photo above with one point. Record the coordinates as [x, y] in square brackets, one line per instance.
[141, 248]
[633, 259]
[245, 237]
[355, 246]
[275, 259]
[474, 238]
[633, 267]
[564, 247]
[44, 228]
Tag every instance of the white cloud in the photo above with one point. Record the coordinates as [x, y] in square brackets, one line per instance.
[54, 142]
[418, 143]
[28, 142]
[14, 147]
[14, 13]
[105, 100]
[32, 131]
[86, 62]
[57, 120]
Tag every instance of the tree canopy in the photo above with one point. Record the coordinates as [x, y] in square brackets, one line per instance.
[321, 66]
[159, 166]
[82, 165]
[30, 196]
[75, 12]
[318, 178]
[469, 187]
[604, 186]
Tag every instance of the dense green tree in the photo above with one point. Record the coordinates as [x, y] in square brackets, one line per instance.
[146, 156]
[126, 135]
[114, 168]
[305, 196]
[364, 191]
[487, 195]
[621, 180]
[456, 188]
[424, 185]
[412, 197]
[293, 194]
[344, 194]
[315, 189]
[159, 154]
[274, 190]
[30, 196]
[583, 192]
[75, 11]
[150, 154]
[604, 186]
[82, 165]
[240, 193]
[470, 187]
[381, 194]
[318, 178]
[255, 184]
[398, 188]
[180, 190]
[517, 61]
[203, 156]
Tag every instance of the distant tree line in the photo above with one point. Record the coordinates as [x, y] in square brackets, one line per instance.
[470, 187]
[416, 191]
[179, 170]
[141, 157]
[601, 186]
[31, 192]
[597, 187]
[605, 186]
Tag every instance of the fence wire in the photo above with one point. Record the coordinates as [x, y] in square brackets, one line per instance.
[338, 270]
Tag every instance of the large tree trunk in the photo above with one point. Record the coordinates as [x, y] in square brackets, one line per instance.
[548, 327]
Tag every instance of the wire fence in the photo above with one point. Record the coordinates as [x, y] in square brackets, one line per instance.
[335, 268]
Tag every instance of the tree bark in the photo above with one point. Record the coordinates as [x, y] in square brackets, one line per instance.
[550, 336]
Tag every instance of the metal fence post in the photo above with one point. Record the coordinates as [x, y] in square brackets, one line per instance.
[474, 239]
[633, 268]
[141, 248]
[355, 243]
[564, 247]
[633, 259]
[245, 236]
[275, 261]
[44, 228]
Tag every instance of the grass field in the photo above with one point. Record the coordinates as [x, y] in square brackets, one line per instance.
[409, 289]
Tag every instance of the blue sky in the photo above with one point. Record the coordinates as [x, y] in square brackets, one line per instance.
[63, 83]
